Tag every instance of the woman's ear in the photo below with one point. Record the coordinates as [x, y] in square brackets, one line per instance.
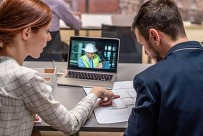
[26, 33]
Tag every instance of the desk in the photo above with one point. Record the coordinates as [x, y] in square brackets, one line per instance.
[122, 19]
[70, 96]
[90, 22]
[95, 21]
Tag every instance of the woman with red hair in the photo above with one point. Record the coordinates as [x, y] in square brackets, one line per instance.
[24, 30]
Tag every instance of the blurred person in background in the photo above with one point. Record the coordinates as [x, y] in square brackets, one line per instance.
[56, 49]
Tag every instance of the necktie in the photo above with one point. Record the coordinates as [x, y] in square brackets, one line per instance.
[91, 63]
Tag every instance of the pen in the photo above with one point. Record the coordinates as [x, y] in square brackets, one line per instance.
[54, 64]
[59, 72]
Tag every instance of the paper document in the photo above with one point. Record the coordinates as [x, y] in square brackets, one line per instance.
[121, 108]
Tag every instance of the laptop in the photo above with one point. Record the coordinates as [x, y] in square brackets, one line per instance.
[103, 69]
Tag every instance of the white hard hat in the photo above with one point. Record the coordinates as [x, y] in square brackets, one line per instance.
[90, 48]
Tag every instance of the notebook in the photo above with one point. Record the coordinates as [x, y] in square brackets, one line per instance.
[92, 61]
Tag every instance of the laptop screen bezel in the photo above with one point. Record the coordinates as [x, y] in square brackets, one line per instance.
[81, 38]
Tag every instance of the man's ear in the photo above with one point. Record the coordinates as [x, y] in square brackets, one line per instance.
[26, 33]
[153, 33]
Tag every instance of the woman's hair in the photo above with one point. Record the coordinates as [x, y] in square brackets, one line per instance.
[15, 15]
[162, 15]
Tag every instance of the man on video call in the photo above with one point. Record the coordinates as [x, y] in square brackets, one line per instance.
[90, 59]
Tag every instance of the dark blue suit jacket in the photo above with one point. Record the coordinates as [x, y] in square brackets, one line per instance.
[170, 95]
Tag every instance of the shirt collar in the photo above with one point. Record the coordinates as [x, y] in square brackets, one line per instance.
[184, 45]
[87, 58]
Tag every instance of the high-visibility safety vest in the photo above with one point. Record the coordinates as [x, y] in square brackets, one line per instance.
[95, 61]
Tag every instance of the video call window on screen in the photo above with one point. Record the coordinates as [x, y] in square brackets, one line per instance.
[106, 53]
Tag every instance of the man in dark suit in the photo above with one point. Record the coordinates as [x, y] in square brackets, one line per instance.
[170, 93]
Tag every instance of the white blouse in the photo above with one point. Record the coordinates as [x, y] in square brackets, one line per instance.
[23, 93]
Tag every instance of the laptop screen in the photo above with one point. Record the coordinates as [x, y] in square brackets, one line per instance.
[93, 53]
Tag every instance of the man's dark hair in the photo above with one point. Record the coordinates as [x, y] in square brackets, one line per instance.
[162, 15]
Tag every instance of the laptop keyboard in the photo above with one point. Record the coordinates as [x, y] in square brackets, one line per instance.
[91, 76]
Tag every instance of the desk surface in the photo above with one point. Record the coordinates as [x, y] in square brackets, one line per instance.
[70, 96]
[95, 21]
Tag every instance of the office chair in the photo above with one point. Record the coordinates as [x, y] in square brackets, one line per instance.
[130, 50]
